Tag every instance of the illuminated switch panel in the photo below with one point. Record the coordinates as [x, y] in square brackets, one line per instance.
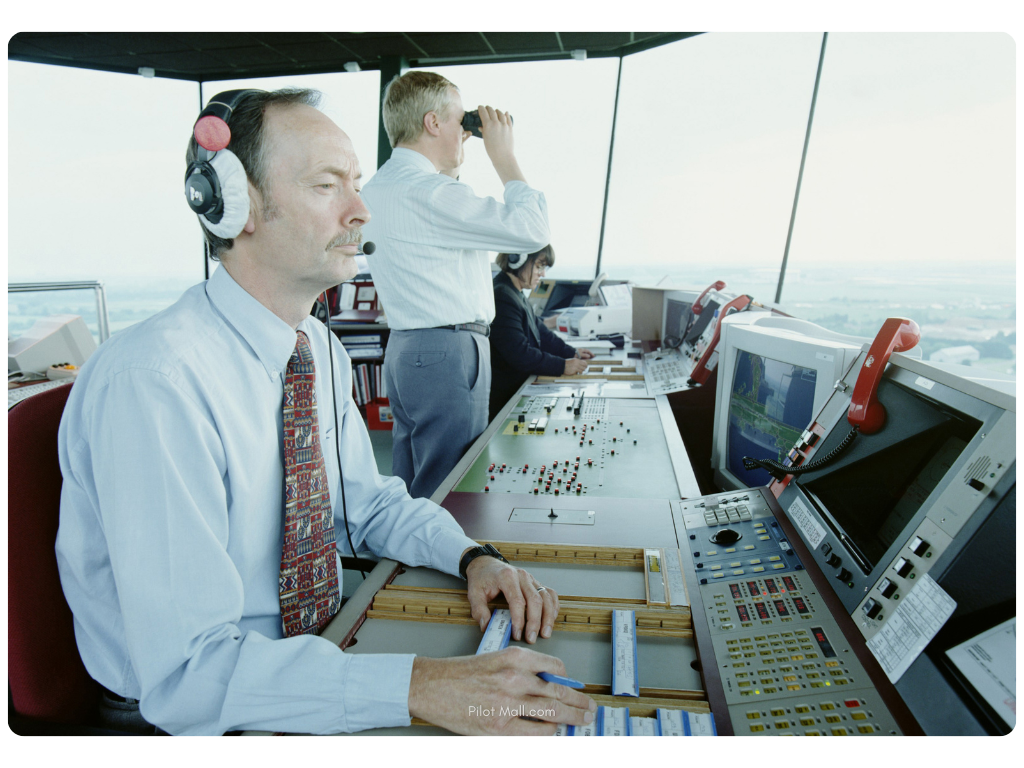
[823, 714]
[784, 664]
[722, 509]
[744, 548]
[772, 601]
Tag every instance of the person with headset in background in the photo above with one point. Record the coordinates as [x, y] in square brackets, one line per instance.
[521, 343]
[206, 449]
[432, 269]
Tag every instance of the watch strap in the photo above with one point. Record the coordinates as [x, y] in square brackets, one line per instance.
[487, 550]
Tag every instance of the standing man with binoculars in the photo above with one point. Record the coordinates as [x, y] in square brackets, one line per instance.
[432, 269]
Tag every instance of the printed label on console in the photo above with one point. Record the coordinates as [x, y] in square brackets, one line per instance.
[811, 529]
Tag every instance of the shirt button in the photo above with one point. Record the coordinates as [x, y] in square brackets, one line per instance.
[419, 364]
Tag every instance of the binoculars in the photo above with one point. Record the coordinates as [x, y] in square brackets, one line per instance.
[471, 123]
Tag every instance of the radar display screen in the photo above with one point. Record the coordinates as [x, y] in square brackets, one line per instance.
[770, 406]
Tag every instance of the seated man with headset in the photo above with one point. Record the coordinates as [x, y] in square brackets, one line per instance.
[215, 468]
[521, 344]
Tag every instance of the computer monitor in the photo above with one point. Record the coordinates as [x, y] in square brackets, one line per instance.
[774, 374]
[676, 313]
[50, 341]
[551, 296]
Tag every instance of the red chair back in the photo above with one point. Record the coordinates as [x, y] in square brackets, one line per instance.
[45, 673]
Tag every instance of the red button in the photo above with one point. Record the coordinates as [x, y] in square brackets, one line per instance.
[852, 703]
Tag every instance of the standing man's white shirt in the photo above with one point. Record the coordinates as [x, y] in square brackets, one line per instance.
[433, 234]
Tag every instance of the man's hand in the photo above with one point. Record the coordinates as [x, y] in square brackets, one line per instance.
[496, 129]
[528, 602]
[573, 366]
[584, 354]
[486, 694]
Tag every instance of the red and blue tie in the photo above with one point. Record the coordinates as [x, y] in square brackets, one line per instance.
[309, 571]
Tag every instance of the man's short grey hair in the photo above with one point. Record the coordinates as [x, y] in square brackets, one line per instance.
[249, 144]
[408, 98]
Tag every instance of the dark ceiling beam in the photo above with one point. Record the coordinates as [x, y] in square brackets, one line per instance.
[288, 65]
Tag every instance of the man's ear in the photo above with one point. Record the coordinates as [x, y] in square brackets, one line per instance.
[431, 124]
[254, 206]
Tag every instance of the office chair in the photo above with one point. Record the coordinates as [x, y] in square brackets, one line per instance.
[49, 690]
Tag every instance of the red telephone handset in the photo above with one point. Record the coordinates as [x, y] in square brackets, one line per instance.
[698, 305]
[898, 334]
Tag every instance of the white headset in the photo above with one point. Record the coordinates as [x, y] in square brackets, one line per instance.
[520, 260]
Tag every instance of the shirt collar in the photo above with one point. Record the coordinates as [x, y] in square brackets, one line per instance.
[270, 337]
[406, 156]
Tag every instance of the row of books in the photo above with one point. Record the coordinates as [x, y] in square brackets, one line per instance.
[368, 383]
[363, 346]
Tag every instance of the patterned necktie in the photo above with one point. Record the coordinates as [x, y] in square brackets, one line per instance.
[309, 570]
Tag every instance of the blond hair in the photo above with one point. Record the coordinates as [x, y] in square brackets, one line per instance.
[408, 98]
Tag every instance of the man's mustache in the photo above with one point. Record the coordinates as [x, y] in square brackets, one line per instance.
[353, 237]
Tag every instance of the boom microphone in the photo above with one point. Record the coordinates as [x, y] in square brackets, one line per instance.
[367, 248]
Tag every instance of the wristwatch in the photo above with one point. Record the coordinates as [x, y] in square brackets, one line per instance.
[474, 553]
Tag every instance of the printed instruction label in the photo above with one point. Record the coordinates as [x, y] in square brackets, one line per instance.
[919, 617]
[804, 520]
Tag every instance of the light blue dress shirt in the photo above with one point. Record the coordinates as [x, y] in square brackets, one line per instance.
[433, 234]
[171, 524]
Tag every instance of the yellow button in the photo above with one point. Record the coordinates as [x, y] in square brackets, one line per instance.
[735, 565]
[763, 538]
[738, 572]
[756, 561]
[749, 546]
[777, 566]
[774, 559]
[865, 729]
[859, 715]
[711, 552]
[730, 550]
[781, 724]
[803, 708]
[743, 683]
[793, 687]
[757, 728]
[832, 719]
[753, 715]
[812, 733]
[840, 732]
[778, 712]
[759, 568]
[806, 721]
[716, 567]
[717, 575]
[827, 706]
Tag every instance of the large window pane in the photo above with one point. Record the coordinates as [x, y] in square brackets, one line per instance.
[563, 119]
[907, 207]
[707, 150]
[96, 162]
[351, 99]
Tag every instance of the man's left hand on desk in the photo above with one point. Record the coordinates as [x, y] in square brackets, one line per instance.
[532, 606]
[584, 354]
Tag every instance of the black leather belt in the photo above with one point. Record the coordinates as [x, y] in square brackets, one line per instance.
[482, 328]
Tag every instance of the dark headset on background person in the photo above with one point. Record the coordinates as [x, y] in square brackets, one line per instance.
[217, 190]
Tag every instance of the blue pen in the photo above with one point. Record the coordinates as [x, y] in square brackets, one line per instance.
[568, 682]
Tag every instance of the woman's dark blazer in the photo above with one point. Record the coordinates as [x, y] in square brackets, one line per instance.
[520, 344]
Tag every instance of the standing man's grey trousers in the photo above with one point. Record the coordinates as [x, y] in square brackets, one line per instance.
[438, 382]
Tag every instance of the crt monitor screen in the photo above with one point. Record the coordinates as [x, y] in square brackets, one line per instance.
[677, 313]
[770, 405]
[567, 294]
